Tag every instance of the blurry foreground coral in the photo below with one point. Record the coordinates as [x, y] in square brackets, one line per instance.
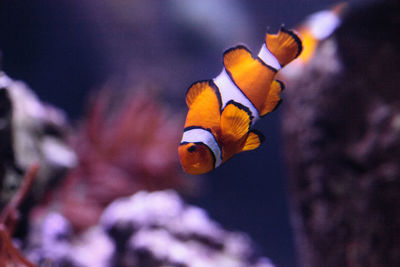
[145, 229]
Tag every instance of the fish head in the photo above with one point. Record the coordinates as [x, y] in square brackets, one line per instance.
[196, 158]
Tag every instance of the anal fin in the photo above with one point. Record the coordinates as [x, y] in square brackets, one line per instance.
[253, 141]
[273, 98]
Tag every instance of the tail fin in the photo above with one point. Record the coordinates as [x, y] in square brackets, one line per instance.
[285, 45]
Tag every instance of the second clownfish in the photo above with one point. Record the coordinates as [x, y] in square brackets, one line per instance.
[316, 28]
[223, 110]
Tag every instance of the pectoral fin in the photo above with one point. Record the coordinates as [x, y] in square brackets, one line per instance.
[253, 141]
[235, 121]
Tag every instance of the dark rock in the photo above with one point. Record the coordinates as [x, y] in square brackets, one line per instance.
[342, 136]
[30, 132]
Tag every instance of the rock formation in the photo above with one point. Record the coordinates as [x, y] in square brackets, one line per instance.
[342, 139]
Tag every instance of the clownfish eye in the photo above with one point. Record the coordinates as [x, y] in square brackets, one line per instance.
[192, 148]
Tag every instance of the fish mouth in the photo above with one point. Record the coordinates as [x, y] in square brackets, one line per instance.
[196, 165]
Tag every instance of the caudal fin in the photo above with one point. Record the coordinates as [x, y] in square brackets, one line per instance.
[285, 45]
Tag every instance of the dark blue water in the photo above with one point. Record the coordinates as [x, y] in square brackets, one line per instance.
[59, 49]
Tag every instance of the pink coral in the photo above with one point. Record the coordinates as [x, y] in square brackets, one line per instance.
[123, 146]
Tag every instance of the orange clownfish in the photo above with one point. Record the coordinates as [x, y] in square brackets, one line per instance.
[223, 110]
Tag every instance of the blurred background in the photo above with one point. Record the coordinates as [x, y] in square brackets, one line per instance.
[65, 50]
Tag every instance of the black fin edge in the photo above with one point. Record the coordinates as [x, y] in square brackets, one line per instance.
[217, 92]
[212, 85]
[277, 105]
[266, 65]
[254, 57]
[196, 127]
[240, 46]
[242, 107]
[259, 134]
[296, 39]
[282, 85]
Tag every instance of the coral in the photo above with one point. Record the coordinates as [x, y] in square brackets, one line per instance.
[146, 229]
[122, 148]
[31, 132]
[49, 240]
[9, 254]
[342, 141]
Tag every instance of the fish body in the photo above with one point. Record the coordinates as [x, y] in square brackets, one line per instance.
[223, 110]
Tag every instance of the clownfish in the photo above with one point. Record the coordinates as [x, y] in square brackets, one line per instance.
[316, 28]
[223, 110]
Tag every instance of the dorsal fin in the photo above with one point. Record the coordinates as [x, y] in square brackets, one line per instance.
[238, 57]
[273, 98]
[285, 45]
[204, 102]
[235, 121]
[253, 141]
[204, 88]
